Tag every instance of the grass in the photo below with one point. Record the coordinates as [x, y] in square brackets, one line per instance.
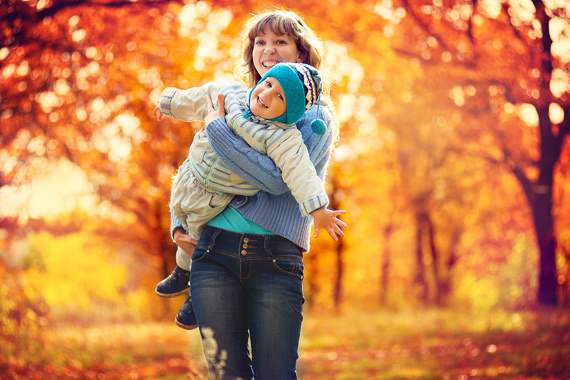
[428, 344]
[438, 344]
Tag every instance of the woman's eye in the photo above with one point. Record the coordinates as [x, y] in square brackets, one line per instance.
[259, 42]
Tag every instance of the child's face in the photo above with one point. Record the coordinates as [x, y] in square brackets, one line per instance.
[268, 99]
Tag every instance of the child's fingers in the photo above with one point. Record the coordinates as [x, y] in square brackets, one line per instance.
[339, 222]
[333, 235]
[221, 103]
[338, 230]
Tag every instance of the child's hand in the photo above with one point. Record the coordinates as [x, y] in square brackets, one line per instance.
[158, 113]
[327, 219]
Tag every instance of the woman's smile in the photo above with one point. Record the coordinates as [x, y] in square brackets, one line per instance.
[270, 49]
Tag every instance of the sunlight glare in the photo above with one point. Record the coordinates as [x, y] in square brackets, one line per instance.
[527, 113]
[555, 113]
[63, 188]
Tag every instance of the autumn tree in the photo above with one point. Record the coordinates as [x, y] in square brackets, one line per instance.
[505, 57]
[80, 82]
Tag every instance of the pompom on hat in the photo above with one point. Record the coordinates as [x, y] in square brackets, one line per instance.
[302, 86]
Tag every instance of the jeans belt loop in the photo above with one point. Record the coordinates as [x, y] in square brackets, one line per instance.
[213, 239]
[266, 246]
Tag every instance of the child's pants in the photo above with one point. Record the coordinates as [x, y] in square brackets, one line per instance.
[182, 259]
[193, 204]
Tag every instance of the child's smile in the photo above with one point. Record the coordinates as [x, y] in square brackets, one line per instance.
[268, 99]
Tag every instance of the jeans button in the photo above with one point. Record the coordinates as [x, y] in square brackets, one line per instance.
[245, 240]
[244, 252]
[244, 246]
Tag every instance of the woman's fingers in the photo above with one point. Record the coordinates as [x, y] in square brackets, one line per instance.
[209, 104]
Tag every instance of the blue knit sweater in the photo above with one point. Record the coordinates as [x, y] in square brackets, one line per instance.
[273, 207]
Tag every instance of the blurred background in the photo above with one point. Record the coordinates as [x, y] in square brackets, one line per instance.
[453, 165]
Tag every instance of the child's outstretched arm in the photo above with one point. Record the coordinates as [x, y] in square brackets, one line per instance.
[327, 219]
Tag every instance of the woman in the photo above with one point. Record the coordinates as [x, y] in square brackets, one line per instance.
[247, 268]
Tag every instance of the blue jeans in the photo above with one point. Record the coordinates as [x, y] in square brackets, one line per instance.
[248, 286]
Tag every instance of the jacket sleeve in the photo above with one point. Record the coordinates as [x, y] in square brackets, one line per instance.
[174, 224]
[291, 155]
[258, 169]
[189, 104]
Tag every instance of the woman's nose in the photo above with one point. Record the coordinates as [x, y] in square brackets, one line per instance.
[269, 49]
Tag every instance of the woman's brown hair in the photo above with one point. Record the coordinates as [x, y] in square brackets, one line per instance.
[282, 22]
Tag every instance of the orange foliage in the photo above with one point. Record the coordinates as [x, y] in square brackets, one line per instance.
[435, 166]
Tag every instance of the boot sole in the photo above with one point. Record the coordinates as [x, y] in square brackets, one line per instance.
[170, 295]
[185, 327]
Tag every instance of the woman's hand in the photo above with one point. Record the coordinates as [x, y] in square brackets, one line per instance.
[184, 241]
[213, 113]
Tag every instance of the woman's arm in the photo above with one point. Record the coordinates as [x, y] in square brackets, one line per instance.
[257, 168]
[254, 167]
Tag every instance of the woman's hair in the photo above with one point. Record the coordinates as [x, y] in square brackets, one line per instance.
[282, 22]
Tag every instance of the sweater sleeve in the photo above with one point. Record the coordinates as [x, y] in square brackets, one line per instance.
[258, 169]
[254, 167]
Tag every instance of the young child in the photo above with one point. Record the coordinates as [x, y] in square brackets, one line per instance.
[264, 117]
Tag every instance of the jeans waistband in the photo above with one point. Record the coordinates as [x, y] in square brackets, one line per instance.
[248, 245]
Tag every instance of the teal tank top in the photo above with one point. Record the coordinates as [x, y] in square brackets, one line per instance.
[232, 220]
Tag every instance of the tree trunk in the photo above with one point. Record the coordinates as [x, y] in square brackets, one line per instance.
[539, 196]
[337, 296]
[420, 278]
[550, 147]
[385, 266]
[543, 224]
[337, 289]
[445, 283]
[435, 257]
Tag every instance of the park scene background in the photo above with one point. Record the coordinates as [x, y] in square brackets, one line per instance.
[453, 165]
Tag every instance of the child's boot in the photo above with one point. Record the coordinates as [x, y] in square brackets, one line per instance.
[175, 284]
[186, 318]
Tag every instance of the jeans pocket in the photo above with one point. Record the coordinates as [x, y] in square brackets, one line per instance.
[291, 267]
[200, 253]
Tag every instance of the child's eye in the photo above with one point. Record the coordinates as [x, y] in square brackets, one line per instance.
[268, 84]
[280, 96]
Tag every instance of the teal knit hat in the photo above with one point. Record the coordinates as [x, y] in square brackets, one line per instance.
[302, 86]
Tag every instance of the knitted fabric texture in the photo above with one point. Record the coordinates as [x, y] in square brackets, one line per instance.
[302, 86]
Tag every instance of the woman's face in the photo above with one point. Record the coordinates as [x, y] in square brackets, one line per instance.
[269, 49]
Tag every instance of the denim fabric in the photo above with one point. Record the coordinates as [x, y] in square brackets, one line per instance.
[248, 286]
